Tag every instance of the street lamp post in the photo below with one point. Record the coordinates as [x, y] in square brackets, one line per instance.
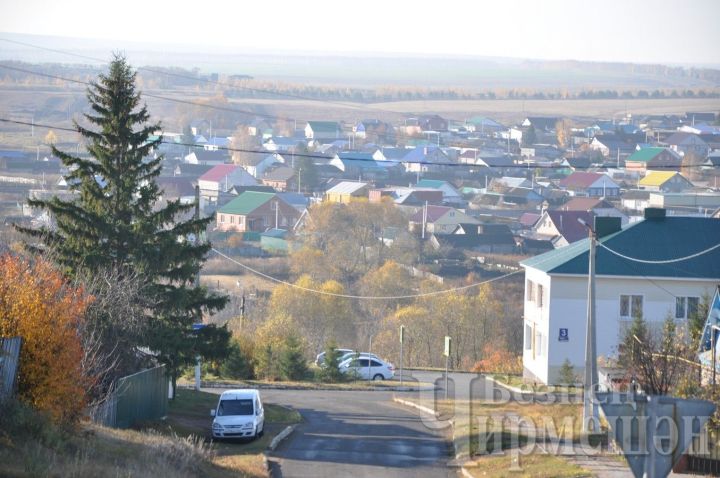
[590, 406]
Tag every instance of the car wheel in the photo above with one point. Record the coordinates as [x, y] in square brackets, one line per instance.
[261, 432]
[378, 377]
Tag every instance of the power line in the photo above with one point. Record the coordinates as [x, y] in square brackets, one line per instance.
[208, 80]
[308, 155]
[664, 261]
[362, 297]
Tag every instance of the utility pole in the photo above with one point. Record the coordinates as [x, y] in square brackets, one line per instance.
[590, 406]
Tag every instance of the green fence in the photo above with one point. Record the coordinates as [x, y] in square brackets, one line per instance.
[138, 397]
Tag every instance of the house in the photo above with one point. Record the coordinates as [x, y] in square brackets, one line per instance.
[375, 130]
[423, 159]
[282, 144]
[541, 123]
[323, 130]
[665, 181]
[635, 200]
[450, 194]
[439, 220]
[256, 211]
[432, 123]
[488, 238]
[632, 278]
[402, 196]
[561, 227]
[590, 184]
[346, 191]
[596, 206]
[364, 165]
[653, 158]
[259, 163]
[281, 178]
[483, 125]
[216, 143]
[222, 178]
[207, 157]
[695, 117]
[612, 146]
[683, 143]
[700, 128]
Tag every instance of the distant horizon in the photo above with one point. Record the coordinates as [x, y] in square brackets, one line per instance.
[96, 44]
[664, 32]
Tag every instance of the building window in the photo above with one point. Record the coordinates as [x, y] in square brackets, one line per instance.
[631, 306]
[686, 307]
[529, 291]
[528, 337]
[232, 219]
[540, 293]
[222, 218]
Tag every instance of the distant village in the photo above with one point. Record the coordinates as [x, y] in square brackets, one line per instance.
[474, 189]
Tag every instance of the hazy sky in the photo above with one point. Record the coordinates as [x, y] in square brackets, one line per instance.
[647, 31]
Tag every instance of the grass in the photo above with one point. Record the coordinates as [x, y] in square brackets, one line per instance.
[530, 466]
[518, 381]
[30, 445]
[313, 384]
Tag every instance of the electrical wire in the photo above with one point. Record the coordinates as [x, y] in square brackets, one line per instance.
[362, 297]
[665, 261]
[305, 155]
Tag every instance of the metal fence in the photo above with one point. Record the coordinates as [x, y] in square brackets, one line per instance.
[138, 397]
[9, 362]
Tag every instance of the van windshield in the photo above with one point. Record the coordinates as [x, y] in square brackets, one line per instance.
[235, 407]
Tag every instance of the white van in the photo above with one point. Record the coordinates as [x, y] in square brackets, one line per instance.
[239, 414]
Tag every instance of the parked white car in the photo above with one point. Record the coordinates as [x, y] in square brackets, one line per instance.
[354, 354]
[368, 368]
[320, 359]
[239, 414]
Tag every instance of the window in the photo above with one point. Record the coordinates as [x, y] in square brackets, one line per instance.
[528, 337]
[222, 217]
[232, 219]
[529, 291]
[686, 307]
[631, 306]
[540, 292]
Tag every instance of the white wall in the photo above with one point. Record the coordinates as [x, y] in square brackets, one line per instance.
[568, 309]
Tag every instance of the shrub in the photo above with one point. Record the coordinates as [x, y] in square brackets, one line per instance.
[329, 372]
[292, 362]
[498, 360]
[266, 362]
[566, 374]
[37, 304]
[239, 362]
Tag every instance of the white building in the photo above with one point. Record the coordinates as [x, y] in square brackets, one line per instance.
[555, 311]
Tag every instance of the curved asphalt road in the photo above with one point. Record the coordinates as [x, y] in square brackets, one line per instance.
[357, 434]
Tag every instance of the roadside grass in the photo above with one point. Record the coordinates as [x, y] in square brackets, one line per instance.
[31, 445]
[517, 381]
[528, 466]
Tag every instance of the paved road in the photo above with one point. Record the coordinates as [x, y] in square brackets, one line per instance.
[357, 434]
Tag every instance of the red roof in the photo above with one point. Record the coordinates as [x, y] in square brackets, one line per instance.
[528, 219]
[580, 180]
[568, 225]
[219, 172]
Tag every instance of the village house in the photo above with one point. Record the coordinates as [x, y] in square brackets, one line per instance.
[256, 211]
[281, 178]
[439, 220]
[561, 228]
[665, 181]
[316, 130]
[221, 179]
[346, 191]
[555, 305]
[653, 158]
[590, 184]
[684, 143]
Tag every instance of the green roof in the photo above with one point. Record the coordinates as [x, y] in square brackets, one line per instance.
[324, 126]
[246, 203]
[652, 240]
[431, 183]
[645, 154]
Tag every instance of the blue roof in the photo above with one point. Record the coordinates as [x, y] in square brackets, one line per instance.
[651, 240]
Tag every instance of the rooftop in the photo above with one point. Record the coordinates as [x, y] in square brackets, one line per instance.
[658, 239]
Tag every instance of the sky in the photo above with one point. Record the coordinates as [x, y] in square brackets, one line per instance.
[642, 31]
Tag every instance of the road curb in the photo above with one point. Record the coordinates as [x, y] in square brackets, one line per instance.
[319, 389]
[414, 405]
[280, 437]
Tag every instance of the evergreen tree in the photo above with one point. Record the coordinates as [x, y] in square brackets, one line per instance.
[529, 137]
[330, 370]
[292, 362]
[306, 171]
[115, 222]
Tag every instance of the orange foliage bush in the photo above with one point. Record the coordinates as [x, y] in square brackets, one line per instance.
[37, 304]
[498, 360]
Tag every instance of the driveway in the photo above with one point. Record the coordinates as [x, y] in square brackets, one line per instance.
[357, 434]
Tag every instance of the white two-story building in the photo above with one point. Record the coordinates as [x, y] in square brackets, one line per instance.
[648, 280]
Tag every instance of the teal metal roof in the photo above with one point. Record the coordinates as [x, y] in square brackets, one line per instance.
[246, 203]
[651, 240]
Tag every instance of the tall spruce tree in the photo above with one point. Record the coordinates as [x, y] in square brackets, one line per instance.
[117, 222]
